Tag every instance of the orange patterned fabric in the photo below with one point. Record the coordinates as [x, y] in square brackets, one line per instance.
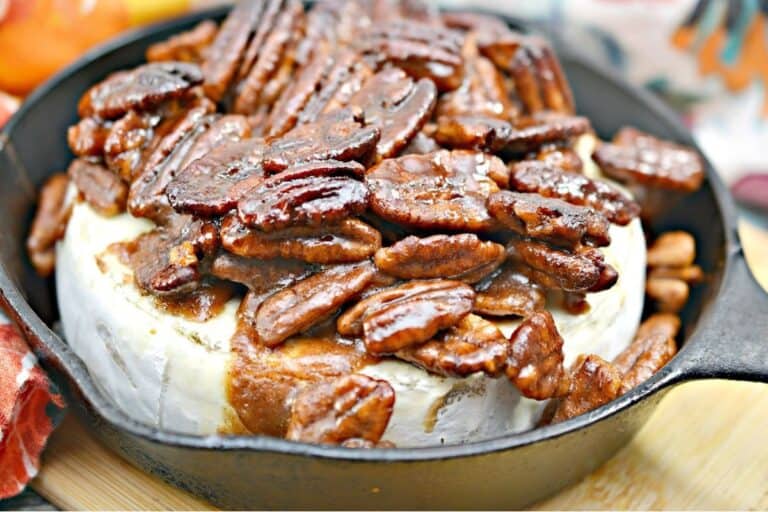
[29, 409]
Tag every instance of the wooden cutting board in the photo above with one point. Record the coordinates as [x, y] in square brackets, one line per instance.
[706, 447]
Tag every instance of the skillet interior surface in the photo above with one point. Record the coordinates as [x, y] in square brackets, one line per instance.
[257, 471]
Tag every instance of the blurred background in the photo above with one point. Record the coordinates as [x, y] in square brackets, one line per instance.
[708, 58]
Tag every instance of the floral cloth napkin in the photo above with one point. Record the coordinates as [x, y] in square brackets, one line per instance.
[30, 407]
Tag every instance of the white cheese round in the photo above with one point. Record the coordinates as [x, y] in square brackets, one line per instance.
[170, 372]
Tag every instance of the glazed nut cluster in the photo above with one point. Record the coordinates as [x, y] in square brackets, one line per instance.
[409, 175]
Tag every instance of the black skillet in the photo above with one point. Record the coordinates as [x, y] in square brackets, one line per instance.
[726, 336]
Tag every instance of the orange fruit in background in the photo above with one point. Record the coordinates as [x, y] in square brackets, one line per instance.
[39, 37]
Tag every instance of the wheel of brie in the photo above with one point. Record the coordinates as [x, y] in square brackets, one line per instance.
[380, 233]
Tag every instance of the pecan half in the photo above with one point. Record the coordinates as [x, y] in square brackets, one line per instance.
[527, 134]
[463, 257]
[187, 46]
[166, 261]
[549, 219]
[313, 194]
[445, 190]
[594, 382]
[144, 88]
[472, 345]
[87, 137]
[226, 51]
[49, 224]
[482, 91]
[262, 276]
[421, 50]
[549, 181]
[103, 189]
[126, 141]
[649, 351]
[562, 157]
[213, 184]
[268, 63]
[666, 325]
[670, 294]
[349, 241]
[392, 102]
[641, 158]
[535, 364]
[298, 307]
[672, 249]
[163, 161]
[539, 80]
[344, 75]
[580, 271]
[334, 136]
[346, 409]
[413, 313]
[508, 293]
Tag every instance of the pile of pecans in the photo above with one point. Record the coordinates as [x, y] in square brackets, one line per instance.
[409, 174]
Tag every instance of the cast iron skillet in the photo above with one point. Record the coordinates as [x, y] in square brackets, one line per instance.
[726, 333]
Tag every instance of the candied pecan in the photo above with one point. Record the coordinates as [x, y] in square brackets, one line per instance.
[508, 293]
[225, 53]
[87, 137]
[268, 62]
[444, 190]
[527, 134]
[125, 143]
[535, 363]
[187, 46]
[574, 272]
[163, 161]
[562, 157]
[350, 240]
[549, 181]
[463, 257]
[539, 80]
[143, 88]
[472, 345]
[642, 158]
[422, 309]
[477, 132]
[672, 249]
[166, 260]
[349, 408]
[391, 101]
[213, 184]
[298, 307]
[594, 382]
[344, 76]
[259, 275]
[649, 351]
[334, 136]
[549, 219]
[420, 49]
[288, 107]
[49, 224]
[665, 324]
[691, 275]
[313, 194]
[670, 294]
[103, 189]
[543, 128]
[482, 91]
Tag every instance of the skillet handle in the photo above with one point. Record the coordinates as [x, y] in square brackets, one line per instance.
[732, 343]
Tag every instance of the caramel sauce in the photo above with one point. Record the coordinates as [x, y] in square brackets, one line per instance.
[262, 381]
[201, 304]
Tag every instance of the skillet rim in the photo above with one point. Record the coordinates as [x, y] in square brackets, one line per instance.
[98, 403]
